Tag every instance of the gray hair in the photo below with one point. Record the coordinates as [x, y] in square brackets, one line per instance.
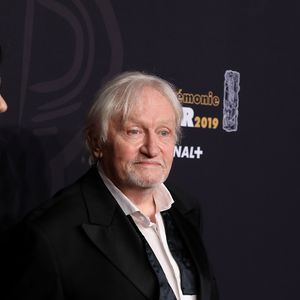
[119, 96]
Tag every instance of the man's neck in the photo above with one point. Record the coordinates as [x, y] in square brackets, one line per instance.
[143, 199]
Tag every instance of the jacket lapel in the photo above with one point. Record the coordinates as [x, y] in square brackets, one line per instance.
[193, 242]
[115, 237]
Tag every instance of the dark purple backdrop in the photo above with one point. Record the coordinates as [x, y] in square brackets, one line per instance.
[56, 54]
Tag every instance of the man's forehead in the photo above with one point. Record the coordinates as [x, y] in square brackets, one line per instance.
[133, 119]
[140, 119]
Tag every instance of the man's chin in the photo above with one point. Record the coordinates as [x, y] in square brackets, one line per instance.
[146, 182]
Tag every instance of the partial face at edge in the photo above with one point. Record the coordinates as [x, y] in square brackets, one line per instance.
[139, 152]
[3, 105]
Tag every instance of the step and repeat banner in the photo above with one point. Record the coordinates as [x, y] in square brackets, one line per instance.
[235, 65]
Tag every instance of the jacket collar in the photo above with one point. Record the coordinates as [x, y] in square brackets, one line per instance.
[115, 236]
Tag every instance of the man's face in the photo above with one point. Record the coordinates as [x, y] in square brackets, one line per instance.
[138, 153]
[3, 105]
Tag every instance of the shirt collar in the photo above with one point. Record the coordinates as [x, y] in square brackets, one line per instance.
[162, 197]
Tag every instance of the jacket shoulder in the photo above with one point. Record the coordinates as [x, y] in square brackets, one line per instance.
[67, 206]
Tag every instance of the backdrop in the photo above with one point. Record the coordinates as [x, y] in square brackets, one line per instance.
[235, 65]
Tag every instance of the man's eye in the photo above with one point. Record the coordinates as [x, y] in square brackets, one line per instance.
[133, 131]
[164, 132]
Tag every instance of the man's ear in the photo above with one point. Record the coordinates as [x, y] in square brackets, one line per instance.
[98, 153]
[95, 146]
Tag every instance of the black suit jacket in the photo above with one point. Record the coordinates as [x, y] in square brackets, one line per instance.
[81, 246]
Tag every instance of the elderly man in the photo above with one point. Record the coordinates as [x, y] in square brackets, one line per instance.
[118, 232]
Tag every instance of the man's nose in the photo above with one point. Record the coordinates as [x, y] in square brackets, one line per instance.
[150, 145]
[3, 105]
